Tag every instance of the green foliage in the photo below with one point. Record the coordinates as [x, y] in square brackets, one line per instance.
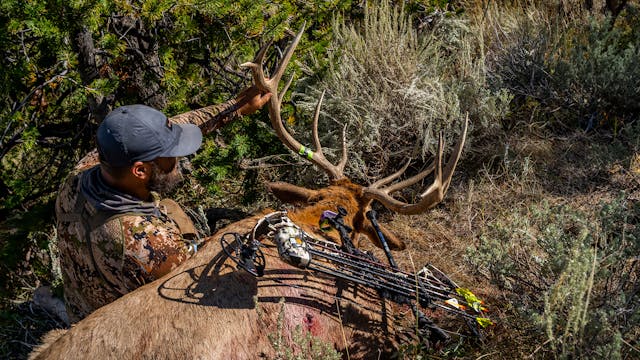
[428, 7]
[600, 74]
[395, 76]
[175, 55]
[570, 273]
[580, 70]
[183, 54]
[25, 256]
[34, 70]
[396, 88]
[217, 163]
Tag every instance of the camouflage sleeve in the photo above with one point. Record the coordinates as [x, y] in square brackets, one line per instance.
[153, 247]
[209, 118]
[88, 161]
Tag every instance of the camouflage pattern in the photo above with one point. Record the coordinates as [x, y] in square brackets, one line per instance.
[209, 118]
[129, 250]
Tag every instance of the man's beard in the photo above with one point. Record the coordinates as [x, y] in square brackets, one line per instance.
[163, 182]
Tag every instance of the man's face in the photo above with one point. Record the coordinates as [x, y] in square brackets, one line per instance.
[166, 175]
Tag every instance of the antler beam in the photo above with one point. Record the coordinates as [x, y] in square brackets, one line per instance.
[434, 193]
[270, 85]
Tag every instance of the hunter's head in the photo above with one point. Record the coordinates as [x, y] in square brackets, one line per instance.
[139, 149]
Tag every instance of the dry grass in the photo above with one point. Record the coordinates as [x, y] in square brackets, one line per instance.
[22, 327]
[536, 171]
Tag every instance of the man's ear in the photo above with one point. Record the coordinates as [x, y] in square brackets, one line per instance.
[141, 170]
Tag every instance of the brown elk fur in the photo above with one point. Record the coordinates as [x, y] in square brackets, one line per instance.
[207, 309]
[340, 193]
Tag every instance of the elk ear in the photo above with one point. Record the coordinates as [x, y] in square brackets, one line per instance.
[392, 240]
[291, 194]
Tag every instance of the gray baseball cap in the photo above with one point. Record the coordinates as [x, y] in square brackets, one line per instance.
[141, 133]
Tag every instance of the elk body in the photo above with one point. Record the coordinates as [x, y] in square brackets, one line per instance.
[208, 309]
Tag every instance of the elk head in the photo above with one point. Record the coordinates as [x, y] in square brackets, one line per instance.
[356, 199]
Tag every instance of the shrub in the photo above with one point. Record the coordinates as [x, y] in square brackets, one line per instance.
[572, 274]
[599, 76]
[396, 88]
[577, 69]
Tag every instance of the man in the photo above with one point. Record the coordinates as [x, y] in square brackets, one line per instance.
[115, 232]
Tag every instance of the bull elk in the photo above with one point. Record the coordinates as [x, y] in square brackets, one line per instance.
[207, 309]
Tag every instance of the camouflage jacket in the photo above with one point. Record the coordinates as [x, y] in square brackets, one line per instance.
[104, 257]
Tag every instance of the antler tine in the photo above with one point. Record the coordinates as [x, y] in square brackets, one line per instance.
[257, 69]
[275, 103]
[436, 188]
[390, 178]
[343, 160]
[434, 194]
[335, 172]
[339, 169]
[256, 66]
[412, 180]
[316, 115]
[451, 165]
[275, 79]
[284, 89]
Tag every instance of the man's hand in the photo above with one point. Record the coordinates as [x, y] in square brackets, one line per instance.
[250, 100]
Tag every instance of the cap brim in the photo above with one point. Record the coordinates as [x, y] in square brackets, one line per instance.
[188, 143]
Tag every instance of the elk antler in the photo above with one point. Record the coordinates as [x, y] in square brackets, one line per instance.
[433, 195]
[271, 85]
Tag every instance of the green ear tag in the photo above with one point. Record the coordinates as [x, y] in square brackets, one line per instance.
[305, 152]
